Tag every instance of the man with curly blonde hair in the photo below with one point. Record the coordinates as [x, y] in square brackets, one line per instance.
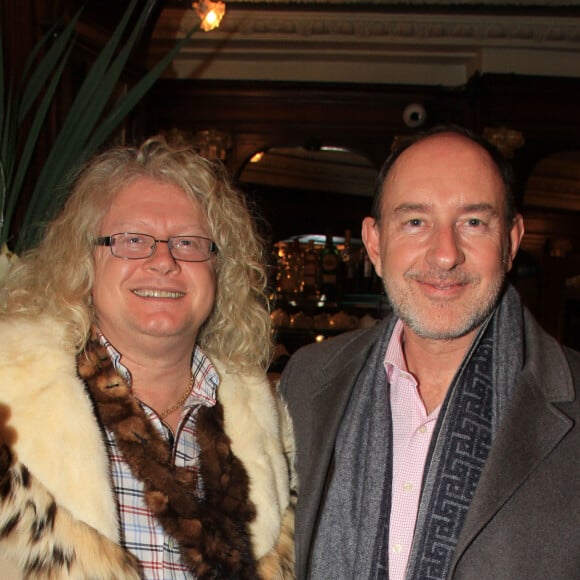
[139, 434]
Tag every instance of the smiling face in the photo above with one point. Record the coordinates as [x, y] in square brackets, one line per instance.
[442, 246]
[157, 296]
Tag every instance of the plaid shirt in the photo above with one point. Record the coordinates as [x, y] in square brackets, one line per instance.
[141, 533]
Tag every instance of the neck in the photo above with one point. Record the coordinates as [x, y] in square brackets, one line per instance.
[146, 350]
[434, 363]
[160, 369]
[158, 382]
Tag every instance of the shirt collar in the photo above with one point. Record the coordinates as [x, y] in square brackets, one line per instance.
[205, 380]
[394, 357]
[205, 376]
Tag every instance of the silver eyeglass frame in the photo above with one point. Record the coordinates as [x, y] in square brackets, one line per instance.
[108, 241]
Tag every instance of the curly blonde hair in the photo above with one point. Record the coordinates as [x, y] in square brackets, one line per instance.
[56, 278]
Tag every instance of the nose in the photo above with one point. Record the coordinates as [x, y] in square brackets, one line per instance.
[445, 250]
[162, 260]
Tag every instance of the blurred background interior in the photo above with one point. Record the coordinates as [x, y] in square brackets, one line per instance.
[303, 100]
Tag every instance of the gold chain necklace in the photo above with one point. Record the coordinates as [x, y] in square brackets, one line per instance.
[182, 399]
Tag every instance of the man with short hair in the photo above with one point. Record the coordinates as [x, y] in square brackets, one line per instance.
[444, 441]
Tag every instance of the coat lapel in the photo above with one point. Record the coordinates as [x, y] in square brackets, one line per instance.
[328, 400]
[532, 428]
[328, 405]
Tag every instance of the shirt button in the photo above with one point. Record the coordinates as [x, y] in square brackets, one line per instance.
[423, 429]
[396, 548]
[407, 486]
[171, 543]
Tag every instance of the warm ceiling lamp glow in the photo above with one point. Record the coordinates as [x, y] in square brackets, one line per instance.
[210, 13]
[257, 157]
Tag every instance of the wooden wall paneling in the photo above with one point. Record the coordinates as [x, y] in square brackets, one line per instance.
[364, 119]
[261, 115]
[367, 118]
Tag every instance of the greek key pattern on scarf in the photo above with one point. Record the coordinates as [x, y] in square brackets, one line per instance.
[468, 438]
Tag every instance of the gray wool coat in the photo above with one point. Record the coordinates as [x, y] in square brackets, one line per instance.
[524, 521]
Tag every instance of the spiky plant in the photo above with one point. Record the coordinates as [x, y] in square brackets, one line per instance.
[90, 121]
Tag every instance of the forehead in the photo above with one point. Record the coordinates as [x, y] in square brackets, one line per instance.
[146, 200]
[444, 169]
[144, 190]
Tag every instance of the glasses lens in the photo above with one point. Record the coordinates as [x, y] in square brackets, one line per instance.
[191, 248]
[132, 246]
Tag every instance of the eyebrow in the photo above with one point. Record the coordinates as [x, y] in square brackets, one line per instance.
[487, 208]
[411, 207]
[480, 208]
[143, 227]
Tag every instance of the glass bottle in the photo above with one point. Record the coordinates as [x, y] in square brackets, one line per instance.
[366, 272]
[310, 272]
[348, 265]
[295, 268]
[329, 266]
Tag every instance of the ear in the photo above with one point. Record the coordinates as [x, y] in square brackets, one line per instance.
[371, 240]
[516, 234]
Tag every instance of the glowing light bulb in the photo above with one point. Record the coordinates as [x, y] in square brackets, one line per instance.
[210, 13]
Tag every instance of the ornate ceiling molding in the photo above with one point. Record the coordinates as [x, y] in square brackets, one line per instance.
[371, 47]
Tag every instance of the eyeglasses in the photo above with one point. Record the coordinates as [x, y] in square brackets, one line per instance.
[130, 246]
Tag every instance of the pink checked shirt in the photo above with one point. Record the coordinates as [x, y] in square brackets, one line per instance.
[412, 431]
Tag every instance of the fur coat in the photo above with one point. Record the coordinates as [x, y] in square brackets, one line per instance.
[58, 513]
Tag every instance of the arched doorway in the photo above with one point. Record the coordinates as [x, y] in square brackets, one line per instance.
[551, 206]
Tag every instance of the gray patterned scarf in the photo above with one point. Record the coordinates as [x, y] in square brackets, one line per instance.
[359, 494]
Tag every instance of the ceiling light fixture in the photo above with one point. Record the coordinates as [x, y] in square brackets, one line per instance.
[210, 13]
[257, 157]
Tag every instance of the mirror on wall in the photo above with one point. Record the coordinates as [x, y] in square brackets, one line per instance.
[312, 201]
[309, 189]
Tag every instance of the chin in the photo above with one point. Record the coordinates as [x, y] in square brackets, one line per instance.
[441, 328]
[166, 328]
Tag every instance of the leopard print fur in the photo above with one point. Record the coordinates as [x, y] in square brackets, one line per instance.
[45, 541]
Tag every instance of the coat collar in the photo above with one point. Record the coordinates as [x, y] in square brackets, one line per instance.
[37, 372]
[338, 376]
[259, 431]
[532, 412]
[532, 428]
[331, 390]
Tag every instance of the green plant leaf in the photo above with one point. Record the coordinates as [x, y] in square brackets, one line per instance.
[42, 73]
[8, 159]
[15, 107]
[88, 105]
[86, 126]
[136, 93]
[33, 134]
[92, 88]
[80, 118]
[2, 81]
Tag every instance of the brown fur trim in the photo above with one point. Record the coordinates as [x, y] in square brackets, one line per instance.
[212, 533]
